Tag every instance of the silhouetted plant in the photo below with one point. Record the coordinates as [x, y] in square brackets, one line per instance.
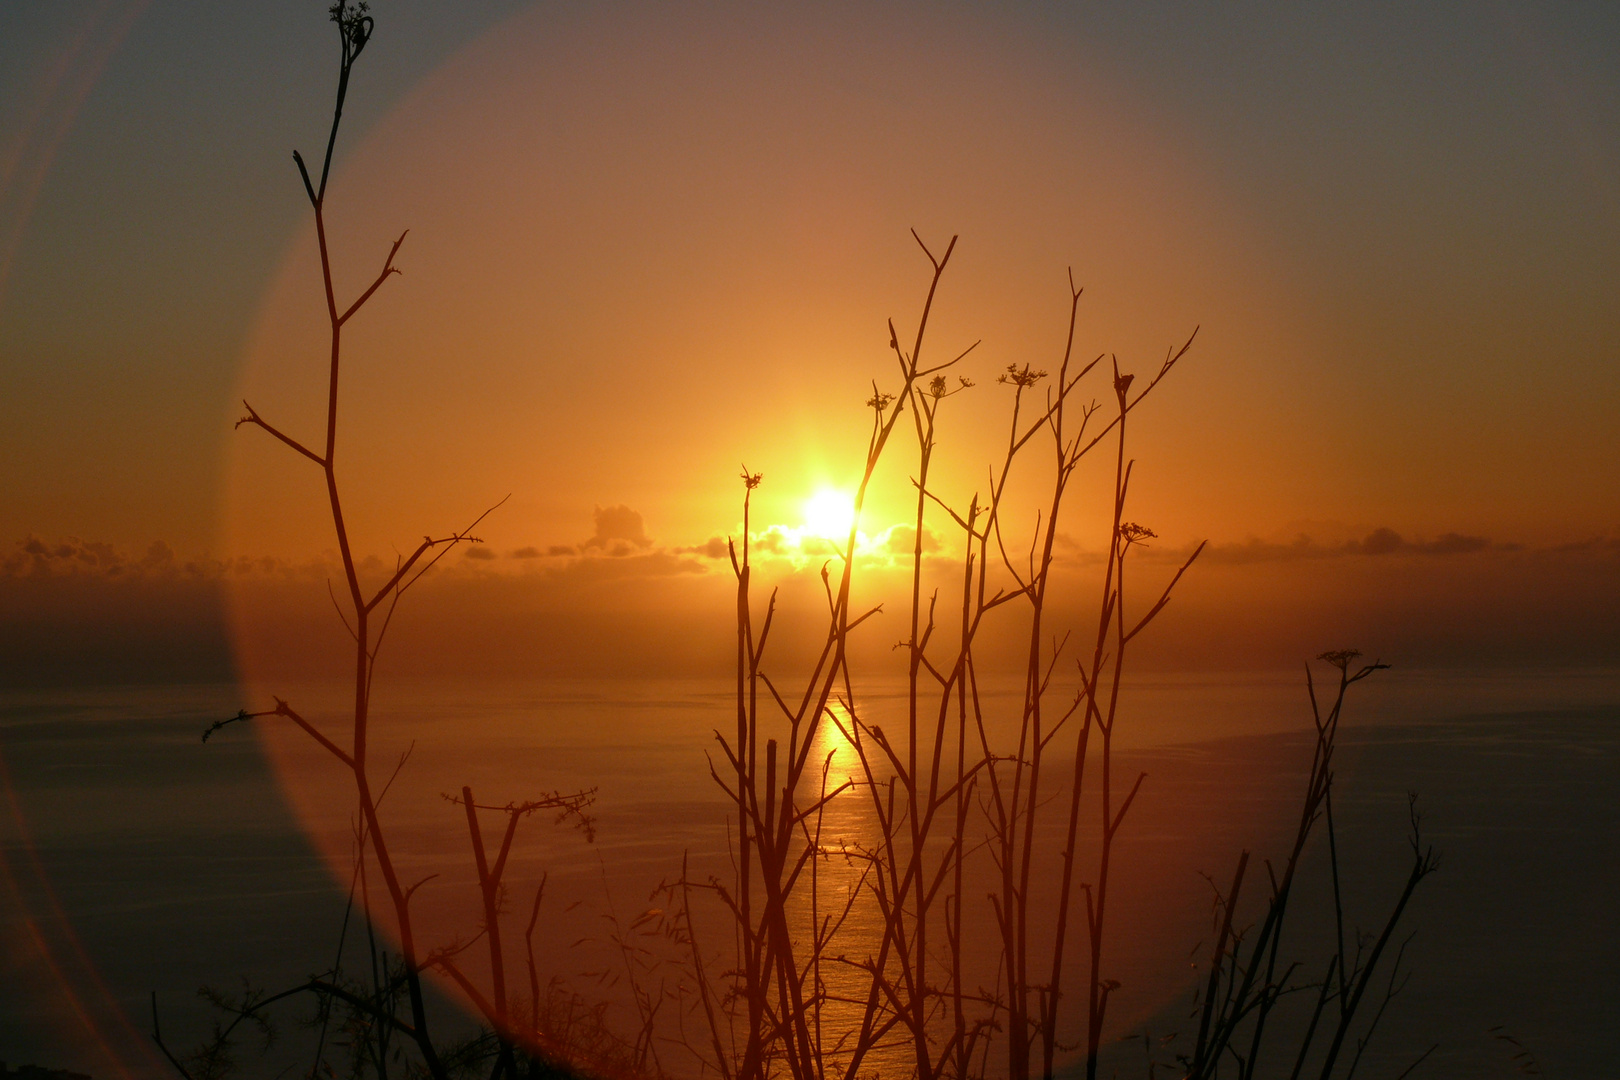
[1244, 982]
[919, 797]
[944, 792]
[372, 1015]
[955, 797]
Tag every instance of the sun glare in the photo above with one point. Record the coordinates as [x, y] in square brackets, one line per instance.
[829, 513]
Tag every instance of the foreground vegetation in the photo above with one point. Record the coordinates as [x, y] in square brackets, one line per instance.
[820, 954]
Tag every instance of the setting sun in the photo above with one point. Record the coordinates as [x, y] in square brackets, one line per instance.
[601, 540]
[829, 513]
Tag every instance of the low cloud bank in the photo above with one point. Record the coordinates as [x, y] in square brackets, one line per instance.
[619, 604]
[1381, 541]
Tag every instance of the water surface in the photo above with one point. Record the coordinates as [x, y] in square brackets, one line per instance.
[139, 859]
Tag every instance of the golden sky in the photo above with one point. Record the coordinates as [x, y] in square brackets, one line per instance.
[652, 243]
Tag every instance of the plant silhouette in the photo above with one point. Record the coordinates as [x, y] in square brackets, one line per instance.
[822, 952]
[372, 1011]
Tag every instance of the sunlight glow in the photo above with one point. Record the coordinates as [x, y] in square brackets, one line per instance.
[829, 513]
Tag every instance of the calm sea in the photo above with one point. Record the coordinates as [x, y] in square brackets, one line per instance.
[138, 859]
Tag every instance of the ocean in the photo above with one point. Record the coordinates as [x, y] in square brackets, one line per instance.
[141, 861]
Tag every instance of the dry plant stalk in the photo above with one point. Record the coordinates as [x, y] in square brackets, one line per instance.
[922, 790]
[955, 791]
[367, 615]
[946, 792]
[1244, 985]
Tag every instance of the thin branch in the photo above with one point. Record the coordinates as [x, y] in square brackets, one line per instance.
[428, 544]
[254, 418]
[387, 271]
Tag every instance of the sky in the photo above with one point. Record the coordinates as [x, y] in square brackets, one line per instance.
[651, 244]
[649, 247]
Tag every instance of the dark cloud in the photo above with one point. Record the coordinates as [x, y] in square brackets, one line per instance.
[714, 547]
[1452, 544]
[1385, 541]
[478, 551]
[34, 557]
[620, 532]
[1380, 542]
[1601, 547]
[72, 557]
[87, 611]
[619, 529]
[625, 563]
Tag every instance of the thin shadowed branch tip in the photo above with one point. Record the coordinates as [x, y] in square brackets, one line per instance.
[939, 263]
[241, 715]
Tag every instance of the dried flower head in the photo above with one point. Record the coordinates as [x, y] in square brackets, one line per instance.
[1021, 376]
[1132, 533]
[354, 23]
[936, 388]
[1340, 658]
[879, 401]
[751, 480]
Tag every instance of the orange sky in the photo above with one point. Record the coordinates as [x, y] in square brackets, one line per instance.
[651, 244]
[645, 248]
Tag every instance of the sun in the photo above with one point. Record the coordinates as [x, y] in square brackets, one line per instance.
[829, 513]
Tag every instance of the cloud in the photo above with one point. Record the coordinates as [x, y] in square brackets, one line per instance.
[1386, 541]
[94, 560]
[1453, 544]
[902, 539]
[1380, 542]
[626, 564]
[620, 532]
[83, 610]
[774, 540]
[619, 529]
[570, 567]
[34, 557]
[478, 551]
[1601, 547]
[714, 547]
[888, 548]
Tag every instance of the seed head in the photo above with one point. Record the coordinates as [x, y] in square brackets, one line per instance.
[1021, 376]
